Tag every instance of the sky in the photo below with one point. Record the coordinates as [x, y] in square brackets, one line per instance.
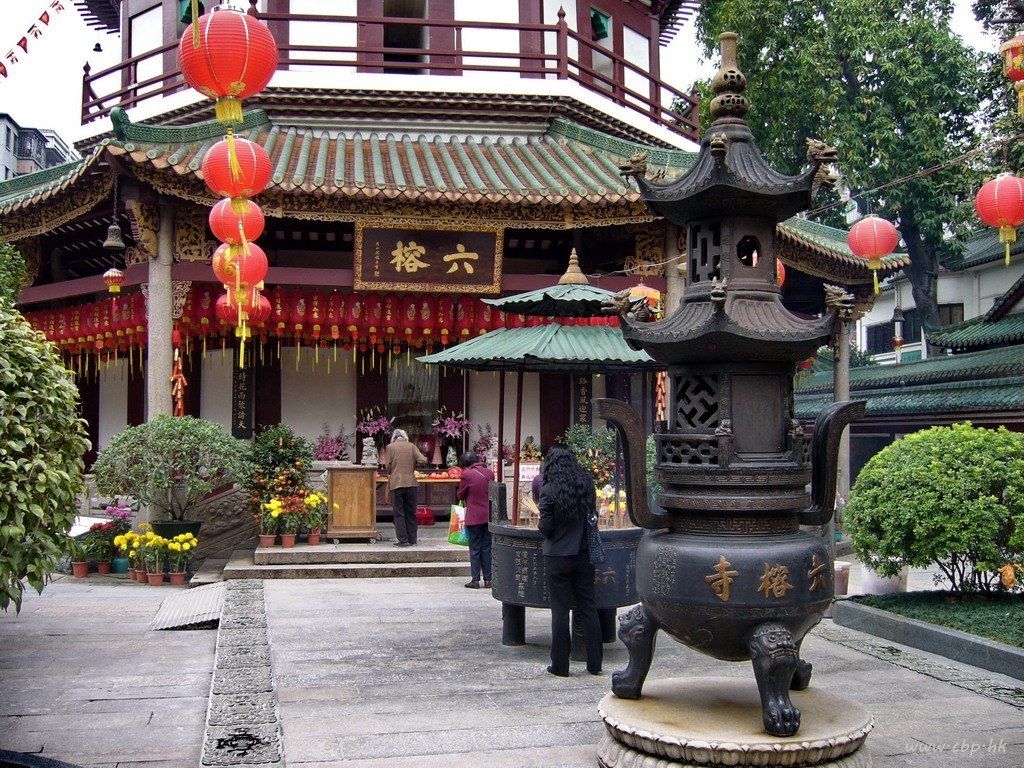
[43, 88]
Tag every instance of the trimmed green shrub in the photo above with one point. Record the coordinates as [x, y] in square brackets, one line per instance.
[945, 496]
[42, 444]
[169, 463]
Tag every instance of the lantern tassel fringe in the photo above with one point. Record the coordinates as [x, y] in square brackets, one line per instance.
[228, 110]
[1007, 235]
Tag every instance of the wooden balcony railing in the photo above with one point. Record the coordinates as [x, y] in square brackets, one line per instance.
[542, 52]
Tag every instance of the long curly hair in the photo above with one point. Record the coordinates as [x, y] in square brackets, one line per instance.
[571, 488]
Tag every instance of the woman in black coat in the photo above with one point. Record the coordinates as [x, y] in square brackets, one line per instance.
[567, 499]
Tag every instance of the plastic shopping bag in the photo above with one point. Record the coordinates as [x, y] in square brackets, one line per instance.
[457, 526]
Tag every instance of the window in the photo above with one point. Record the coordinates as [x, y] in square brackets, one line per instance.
[398, 36]
[879, 336]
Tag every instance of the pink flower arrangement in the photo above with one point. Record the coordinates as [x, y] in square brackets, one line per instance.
[450, 424]
[373, 423]
[331, 447]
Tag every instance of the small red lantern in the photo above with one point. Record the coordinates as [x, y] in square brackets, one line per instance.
[409, 312]
[428, 316]
[226, 312]
[335, 312]
[227, 55]
[355, 315]
[114, 278]
[873, 238]
[389, 315]
[1000, 203]
[373, 314]
[897, 343]
[317, 313]
[445, 317]
[298, 311]
[780, 272]
[247, 176]
[225, 223]
[279, 309]
[1012, 52]
[465, 315]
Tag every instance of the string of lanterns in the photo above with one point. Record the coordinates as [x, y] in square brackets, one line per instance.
[229, 56]
[351, 321]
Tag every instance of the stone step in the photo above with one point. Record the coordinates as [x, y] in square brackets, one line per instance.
[241, 566]
[341, 554]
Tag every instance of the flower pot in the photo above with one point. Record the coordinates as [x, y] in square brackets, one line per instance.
[313, 537]
[176, 578]
[873, 583]
[103, 566]
[267, 539]
[155, 579]
[119, 565]
[140, 576]
[80, 568]
[288, 540]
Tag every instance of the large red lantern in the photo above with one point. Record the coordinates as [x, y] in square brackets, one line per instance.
[1012, 52]
[227, 55]
[1000, 203]
[230, 227]
[873, 238]
[236, 265]
[248, 175]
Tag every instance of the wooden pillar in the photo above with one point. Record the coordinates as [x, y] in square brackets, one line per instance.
[159, 309]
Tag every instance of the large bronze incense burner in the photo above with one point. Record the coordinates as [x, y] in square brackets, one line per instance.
[727, 569]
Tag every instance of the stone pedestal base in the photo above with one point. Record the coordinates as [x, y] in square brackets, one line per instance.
[717, 722]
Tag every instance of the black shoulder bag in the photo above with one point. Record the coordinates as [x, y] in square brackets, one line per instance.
[594, 543]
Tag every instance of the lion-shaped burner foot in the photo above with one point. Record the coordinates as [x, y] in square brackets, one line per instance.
[637, 630]
[775, 658]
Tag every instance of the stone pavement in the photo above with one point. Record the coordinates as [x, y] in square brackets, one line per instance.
[411, 672]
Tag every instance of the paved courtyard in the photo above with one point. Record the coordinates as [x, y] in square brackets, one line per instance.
[411, 672]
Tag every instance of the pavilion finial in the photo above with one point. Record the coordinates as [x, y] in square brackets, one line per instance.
[729, 83]
[573, 275]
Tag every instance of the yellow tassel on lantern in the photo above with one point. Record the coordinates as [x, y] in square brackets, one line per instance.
[195, 23]
[228, 110]
[236, 167]
[1007, 235]
[1019, 87]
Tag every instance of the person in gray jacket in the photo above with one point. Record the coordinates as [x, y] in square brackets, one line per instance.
[401, 458]
[567, 499]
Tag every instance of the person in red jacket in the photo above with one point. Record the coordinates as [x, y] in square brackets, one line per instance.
[473, 489]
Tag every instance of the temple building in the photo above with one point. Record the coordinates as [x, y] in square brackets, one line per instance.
[421, 162]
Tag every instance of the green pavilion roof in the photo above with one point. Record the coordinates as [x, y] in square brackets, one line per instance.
[553, 348]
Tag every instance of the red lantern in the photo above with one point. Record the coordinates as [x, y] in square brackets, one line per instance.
[298, 311]
[317, 311]
[280, 306]
[428, 316]
[514, 320]
[373, 313]
[445, 316]
[1000, 203]
[237, 265]
[409, 316]
[335, 312]
[206, 305]
[259, 313]
[225, 223]
[354, 315]
[465, 316]
[248, 178]
[873, 238]
[227, 55]
[114, 278]
[389, 315]
[780, 272]
[1012, 52]
[226, 313]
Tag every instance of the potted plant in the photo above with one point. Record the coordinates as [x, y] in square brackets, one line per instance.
[154, 551]
[289, 511]
[99, 545]
[127, 544]
[179, 551]
[330, 447]
[315, 516]
[266, 519]
[79, 561]
[276, 467]
[169, 464]
[121, 516]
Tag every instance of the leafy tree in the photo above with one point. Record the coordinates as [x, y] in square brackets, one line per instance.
[846, 72]
[948, 496]
[169, 463]
[42, 442]
[12, 272]
[276, 466]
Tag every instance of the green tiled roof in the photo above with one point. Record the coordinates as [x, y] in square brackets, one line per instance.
[978, 381]
[547, 348]
[982, 247]
[833, 241]
[980, 333]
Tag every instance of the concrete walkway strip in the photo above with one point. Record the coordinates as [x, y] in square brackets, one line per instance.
[243, 727]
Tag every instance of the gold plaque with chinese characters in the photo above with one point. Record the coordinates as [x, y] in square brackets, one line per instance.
[427, 259]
